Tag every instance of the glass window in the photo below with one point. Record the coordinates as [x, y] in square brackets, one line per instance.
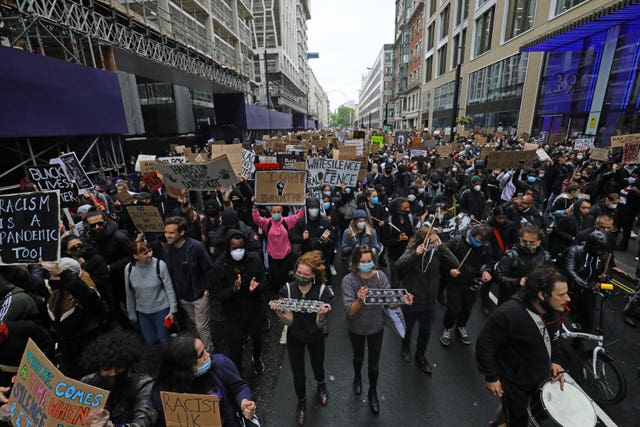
[432, 7]
[481, 2]
[498, 81]
[564, 5]
[458, 47]
[521, 14]
[428, 69]
[484, 30]
[462, 11]
[430, 36]
[442, 60]
[444, 22]
[443, 96]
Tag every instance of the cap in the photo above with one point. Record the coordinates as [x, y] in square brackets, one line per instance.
[313, 202]
[83, 209]
[359, 213]
[70, 264]
[476, 179]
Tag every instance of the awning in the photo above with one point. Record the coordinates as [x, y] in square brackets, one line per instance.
[44, 96]
[231, 110]
[595, 22]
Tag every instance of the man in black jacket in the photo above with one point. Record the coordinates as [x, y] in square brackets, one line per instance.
[518, 262]
[509, 351]
[473, 200]
[231, 221]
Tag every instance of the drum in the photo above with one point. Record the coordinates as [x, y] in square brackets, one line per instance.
[460, 223]
[552, 407]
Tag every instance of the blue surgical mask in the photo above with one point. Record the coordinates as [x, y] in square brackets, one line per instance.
[276, 217]
[541, 175]
[326, 205]
[366, 267]
[204, 368]
[327, 193]
[375, 200]
[474, 242]
[531, 179]
[347, 190]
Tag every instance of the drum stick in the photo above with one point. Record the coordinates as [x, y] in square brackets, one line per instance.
[464, 259]
[379, 220]
[426, 237]
[606, 265]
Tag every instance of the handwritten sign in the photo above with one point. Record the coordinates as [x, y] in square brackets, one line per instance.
[52, 177]
[528, 146]
[190, 410]
[510, 159]
[377, 139]
[43, 397]
[601, 154]
[248, 160]
[630, 152]
[332, 172]
[233, 152]
[151, 180]
[29, 227]
[199, 176]
[173, 159]
[584, 142]
[146, 218]
[75, 171]
[622, 140]
[419, 153]
[143, 158]
[542, 155]
[286, 188]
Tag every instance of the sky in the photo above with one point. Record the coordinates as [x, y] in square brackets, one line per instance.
[348, 35]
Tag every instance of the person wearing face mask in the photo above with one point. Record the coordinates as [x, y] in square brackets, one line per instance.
[346, 204]
[522, 333]
[359, 233]
[387, 179]
[305, 330]
[383, 198]
[365, 323]
[416, 205]
[518, 262]
[187, 367]
[374, 173]
[231, 221]
[474, 249]
[570, 225]
[628, 209]
[239, 282]
[473, 200]
[111, 358]
[532, 182]
[606, 206]
[240, 199]
[434, 187]
[370, 203]
[396, 234]
[328, 205]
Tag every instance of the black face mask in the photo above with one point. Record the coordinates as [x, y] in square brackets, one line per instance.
[111, 382]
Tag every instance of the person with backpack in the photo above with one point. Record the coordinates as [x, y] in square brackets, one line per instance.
[150, 297]
[359, 233]
[276, 229]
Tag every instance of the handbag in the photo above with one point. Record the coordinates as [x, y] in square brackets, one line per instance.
[394, 319]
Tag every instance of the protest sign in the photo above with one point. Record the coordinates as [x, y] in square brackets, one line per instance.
[147, 166]
[146, 218]
[358, 134]
[173, 159]
[248, 160]
[601, 154]
[419, 153]
[277, 146]
[510, 159]
[445, 150]
[530, 147]
[74, 170]
[142, 158]
[630, 152]
[288, 160]
[52, 177]
[415, 140]
[29, 227]
[152, 181]
[287, 188]
[348, 151]
[124, 197]
[357, 143]
[621, 140]
[377, 139]
[542, 155]
[584, 142]
[444, 162]
[233, 152]
[267, 159]
[190, 410]
[43, 397]
[198, 176]
[331, 172]
[555, 138]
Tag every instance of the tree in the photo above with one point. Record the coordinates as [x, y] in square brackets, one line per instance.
[344, 117]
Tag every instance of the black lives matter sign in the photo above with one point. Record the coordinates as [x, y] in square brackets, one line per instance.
[52, 177]
[29, 227]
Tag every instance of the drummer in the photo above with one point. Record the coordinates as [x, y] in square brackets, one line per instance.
[509, 352]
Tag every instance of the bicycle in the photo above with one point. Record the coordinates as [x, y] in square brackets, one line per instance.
[597, 373]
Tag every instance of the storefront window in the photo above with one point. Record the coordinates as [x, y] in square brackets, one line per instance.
[564, 5]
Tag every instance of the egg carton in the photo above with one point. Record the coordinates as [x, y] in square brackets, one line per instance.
[385, 297]
[299, 305]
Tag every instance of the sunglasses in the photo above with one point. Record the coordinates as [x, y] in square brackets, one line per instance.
[96, 224]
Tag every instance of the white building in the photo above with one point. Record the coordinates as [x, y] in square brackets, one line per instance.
[318, 101]
[375, 90]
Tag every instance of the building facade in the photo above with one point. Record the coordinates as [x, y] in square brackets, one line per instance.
[375, 90]
[318, 102]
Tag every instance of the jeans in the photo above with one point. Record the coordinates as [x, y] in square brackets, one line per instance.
[198, 312]
[460, 299]
[152, 327]
[423, 314]
[295, 349]
[374, 343]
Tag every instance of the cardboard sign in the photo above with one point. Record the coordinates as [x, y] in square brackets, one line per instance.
[42, 396]
[444, 162]
[199, 176]
[147, 166]
[377, 139]
[286, 188]
[542, 155]
[584, 142]
[556, 138]
[347, 151]
[530, 147]
[331, 172]
[248, 160]
[52, 177]
[29, 227]
[233, 152]
[358, 134]
[630, 152]
[622, 140]
[267, 159]
[143, 158]
[74, 170]
[124, 197]
[445, 150]
[510, 159]
[190, 410]
[146, 218]
[357, 143]
[277, 146]
[289, 160]
[152, 181]
[419, 153]
[601, 154]
[173, 159]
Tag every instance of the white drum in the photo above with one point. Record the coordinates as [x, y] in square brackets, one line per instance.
[552, 407]
[459, 223]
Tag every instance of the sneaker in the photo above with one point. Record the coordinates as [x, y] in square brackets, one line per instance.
[423, 363]
[464, 336]
[258, 365]
[406, 353]
[634, 235]
[445, 338]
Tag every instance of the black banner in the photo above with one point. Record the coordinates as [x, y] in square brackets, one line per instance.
[52, 177]
[75, 171]
[29, 227]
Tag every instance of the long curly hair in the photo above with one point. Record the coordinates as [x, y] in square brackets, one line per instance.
[176, 372]
[114, 349]
[315, 261]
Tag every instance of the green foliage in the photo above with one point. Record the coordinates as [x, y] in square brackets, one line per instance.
[344, 117]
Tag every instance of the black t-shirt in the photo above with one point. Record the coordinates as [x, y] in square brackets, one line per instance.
[304, 326]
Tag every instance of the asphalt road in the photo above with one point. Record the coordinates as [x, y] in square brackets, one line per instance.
[454, 395]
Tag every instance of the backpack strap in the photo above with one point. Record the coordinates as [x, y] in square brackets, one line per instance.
[288, 290]
[129, 275]
[158, 272]
[322, 288]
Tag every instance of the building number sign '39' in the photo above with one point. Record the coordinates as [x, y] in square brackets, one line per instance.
[563, 83]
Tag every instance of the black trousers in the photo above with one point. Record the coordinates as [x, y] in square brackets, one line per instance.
[515, 401]
[237, 331]
[295, 349]
[279, 271]
[423, 314]
[374, 344]
[583, 309]
[460, 299]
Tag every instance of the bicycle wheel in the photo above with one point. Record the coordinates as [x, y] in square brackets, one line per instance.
[610, 386]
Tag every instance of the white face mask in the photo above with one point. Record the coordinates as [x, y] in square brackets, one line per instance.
[374, 170]
[237, 254]
[421, 190]
[411, 197]
[361, 225]
[414, 171]
[631, 180]
[313, 212]
[613, 205]
[454, 170]
[477, 187]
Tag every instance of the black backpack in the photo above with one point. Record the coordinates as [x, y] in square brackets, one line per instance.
[157, 273]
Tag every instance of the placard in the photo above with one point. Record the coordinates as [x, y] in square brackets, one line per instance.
[190, 410]
[142, 158]
[146, 218]
[52, 177]
[331, 172]
[621, 140]
[75, 171]
[630, 152]
[267, 159]
[510, 159]
[584, 142]
[233, 152]
[528, 146]
[173, 159]
[377, 139]
[248, 160]
[358, 134]
[419, 153]
[286, 188]
[289, 160]
[29, 227]
[152, 181]
[357, 143]
[542, 155]
[444, 162]
[601, 154]
[555, 138]
[199, 176]
[43, 397]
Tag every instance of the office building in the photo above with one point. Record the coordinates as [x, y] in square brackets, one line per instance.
[375, 90]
